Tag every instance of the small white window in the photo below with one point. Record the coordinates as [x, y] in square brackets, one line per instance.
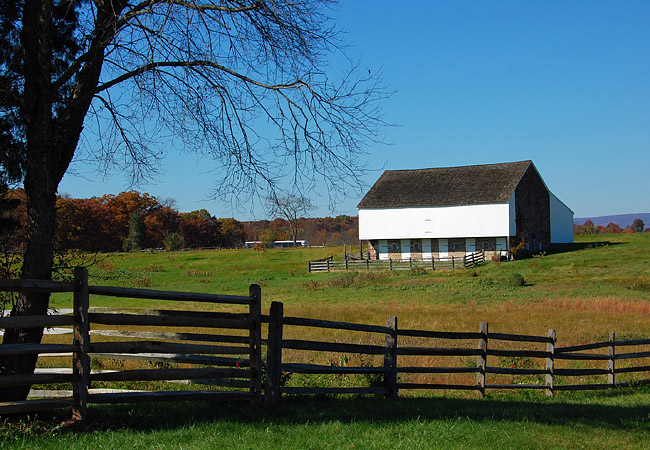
[428, 226]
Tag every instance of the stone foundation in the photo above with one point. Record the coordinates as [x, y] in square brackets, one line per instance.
[457, 247]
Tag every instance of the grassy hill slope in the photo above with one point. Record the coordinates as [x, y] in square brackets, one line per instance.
[600, 284]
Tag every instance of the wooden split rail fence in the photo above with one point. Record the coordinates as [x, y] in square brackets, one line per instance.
[495, 361]
[226, 351]
[348, 264]
[225, 356]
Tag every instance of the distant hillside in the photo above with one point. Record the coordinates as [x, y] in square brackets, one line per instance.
[622, 220]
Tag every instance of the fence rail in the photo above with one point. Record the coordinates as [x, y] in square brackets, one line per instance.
[348, 264]
[230, 346]
[490, 370]
[222, 353]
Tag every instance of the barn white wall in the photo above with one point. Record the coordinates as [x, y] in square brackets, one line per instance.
[491, 220]
[561, 222]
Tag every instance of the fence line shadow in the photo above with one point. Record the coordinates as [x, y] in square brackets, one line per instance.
[292, 411]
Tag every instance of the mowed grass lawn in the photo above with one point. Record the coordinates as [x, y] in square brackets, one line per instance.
[601, 285]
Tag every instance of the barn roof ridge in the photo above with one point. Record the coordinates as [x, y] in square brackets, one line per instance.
[446, 186]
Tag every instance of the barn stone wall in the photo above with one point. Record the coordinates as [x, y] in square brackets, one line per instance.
[373, 249]
[456, 247]
[532, 212]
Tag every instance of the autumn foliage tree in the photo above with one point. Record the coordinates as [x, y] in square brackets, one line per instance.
[97, 224]
[339, 230]
[612, 228]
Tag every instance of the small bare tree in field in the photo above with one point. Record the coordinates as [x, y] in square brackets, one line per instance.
[291, 208]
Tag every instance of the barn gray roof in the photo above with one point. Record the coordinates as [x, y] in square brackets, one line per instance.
[445, 186]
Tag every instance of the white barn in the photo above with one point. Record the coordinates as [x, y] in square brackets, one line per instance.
[449, 211]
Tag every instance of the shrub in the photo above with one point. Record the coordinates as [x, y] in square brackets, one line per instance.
[519, 250]
[515, 280]
[418, 271]
[636, 283]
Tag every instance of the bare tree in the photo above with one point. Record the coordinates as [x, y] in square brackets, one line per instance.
[119, 82]
[291, 208]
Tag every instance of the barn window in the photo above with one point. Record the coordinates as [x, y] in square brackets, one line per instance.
[416, 247]
[486, 245]
[393, 247]
[457, 246]
[428, 226]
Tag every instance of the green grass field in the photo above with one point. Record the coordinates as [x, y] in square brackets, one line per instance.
[602, 285]
[584, 294]
[586, 420]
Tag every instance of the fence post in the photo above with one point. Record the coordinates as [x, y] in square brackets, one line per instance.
[272, 392]
[611, 363]
[80, 337]
[390, 264]
[255, 345]
[328, 265]
[390, 357]
[453, 263]
[368, 264]
[346, 264]
[433, 264]
[481, 361]
[550, 361]
[410, 263]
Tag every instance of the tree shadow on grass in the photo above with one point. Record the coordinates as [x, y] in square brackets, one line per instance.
[575, 246]
[291, 411]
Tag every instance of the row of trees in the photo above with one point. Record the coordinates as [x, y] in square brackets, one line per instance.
[612, 228]
[131, 221]
[127, 221]
[339, 230]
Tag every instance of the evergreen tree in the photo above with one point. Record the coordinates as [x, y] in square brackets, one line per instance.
[135, 241]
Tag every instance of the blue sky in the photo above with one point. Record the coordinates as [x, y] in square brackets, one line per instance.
[566, 84]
